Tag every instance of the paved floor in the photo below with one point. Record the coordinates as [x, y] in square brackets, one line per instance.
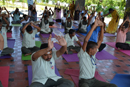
[18, 76]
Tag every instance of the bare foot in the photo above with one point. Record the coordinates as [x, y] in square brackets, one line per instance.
[73, 51]
[27, 54]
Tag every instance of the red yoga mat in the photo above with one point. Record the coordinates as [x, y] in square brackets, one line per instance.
[112, 44]
[4, 75]
[9, 34]
[74, 73]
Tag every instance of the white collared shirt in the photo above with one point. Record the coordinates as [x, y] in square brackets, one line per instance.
[3, 33]
[86, 64]
[25, 21]
[43, 70]
[45, 27]
[70, 41]
[63, 19]
[29, 39]
[50, 19]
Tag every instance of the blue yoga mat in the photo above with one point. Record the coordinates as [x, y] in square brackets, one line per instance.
[35, 35]
[121, 80]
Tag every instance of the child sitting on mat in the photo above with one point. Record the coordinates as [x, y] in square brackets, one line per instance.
[50, 17]
[83, 25]
[28, 44]
[3, 31]
[68, 25]
[70, 38]
[44, 25]
[63, 20]
[43, 65]
[121, 35]
[87, 60]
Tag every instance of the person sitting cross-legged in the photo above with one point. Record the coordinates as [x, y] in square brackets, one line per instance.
[29, 39]
[68, 25]
[43, 65]
[121, 35]
[70, 38]
[44, 25]
[3, 30]
[87, 60]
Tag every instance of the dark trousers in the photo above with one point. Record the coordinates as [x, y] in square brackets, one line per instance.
[51, 23]
[51, 83]
[102, 46]
[46, 33]
[94, 83]
[76, 48]
[1, 84]
[123, 46]
[29, 50]
[58, 20]
[7, 51]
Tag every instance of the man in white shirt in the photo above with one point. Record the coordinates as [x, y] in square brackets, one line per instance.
[68, 25]
[28, 45]
[87, 60]
[3, 31]
[16, 15]
[70, 38]
[44, 25]
[43, 65]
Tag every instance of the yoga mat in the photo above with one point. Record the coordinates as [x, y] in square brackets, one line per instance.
[107, 34]
[9, 34]
[10, 43]
[84, 34]
[38, 44]
[128, 42]
[121, 80]
[103, 55]
[57, 46]
[53, 26]
[47, 35]
[16, 25]
[30, 73]
[74, 73]
[112, 44]
[4, 75]
[71, 57]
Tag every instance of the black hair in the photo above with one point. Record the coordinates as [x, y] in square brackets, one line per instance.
[92, 25]
[0, 21]
[82, 14]
[71, 31]
[69, 18]
[84, 18]
[24, 16]
[64, 14]
[43, 46]
[110, 9]
[34, 10]
[91, 45]
[68, 11]
[29, 28]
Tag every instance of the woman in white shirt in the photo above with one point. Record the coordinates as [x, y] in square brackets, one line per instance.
[63, 19]
[70, 39]
[83, 25]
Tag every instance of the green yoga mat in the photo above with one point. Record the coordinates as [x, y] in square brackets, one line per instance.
[128, 42]
[38, 44]
[17, 25]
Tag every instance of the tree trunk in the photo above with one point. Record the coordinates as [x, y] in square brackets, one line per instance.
[81, 3]
[127, 13]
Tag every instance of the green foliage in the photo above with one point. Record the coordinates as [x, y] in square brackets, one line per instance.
[13, 1]
[3, 2]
